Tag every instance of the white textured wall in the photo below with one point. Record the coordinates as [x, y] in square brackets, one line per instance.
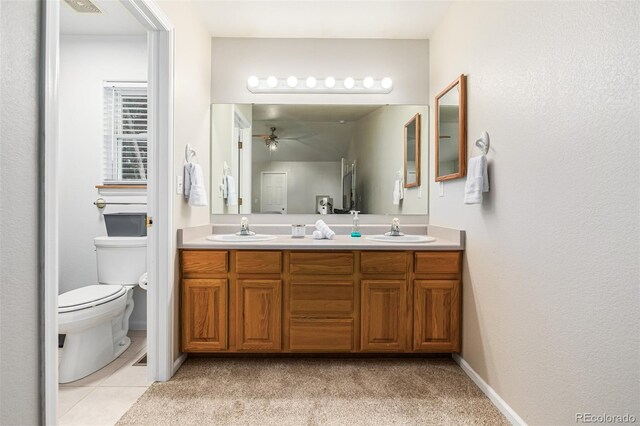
[192, 89]
[305, 180]
[19, 240]
[235, 59]
[85, 63]
[378, 148]
[551, 271]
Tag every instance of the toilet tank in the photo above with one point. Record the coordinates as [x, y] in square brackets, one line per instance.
[121, 260]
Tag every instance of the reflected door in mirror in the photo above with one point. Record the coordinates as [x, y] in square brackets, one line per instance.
[451, 131]
[412, 152]
[274, 192]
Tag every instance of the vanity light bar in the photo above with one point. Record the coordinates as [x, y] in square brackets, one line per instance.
[310, 84]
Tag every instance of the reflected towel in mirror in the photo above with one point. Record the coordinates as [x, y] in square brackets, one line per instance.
[229, 191]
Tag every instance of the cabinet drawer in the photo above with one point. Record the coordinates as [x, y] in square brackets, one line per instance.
[442, 262]
[383, 262]
[258, 262]
[322, 263]
[203, 263]
[321, 299]
[323, 335]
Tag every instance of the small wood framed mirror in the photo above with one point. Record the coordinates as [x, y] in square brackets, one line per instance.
[412, 152]
[451, 131]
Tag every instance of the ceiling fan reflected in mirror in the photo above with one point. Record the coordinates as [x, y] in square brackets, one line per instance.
[271, 141]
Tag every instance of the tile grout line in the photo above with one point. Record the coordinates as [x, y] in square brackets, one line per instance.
[93, 388]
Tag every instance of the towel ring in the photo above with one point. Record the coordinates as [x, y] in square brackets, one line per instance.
[189, 153]
[483, 143]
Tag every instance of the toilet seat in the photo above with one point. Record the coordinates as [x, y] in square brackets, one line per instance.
[88, 297]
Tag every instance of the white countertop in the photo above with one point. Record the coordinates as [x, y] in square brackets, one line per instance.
[196, 238]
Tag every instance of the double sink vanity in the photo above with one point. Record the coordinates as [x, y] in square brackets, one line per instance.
[271, 293]
[300, 295]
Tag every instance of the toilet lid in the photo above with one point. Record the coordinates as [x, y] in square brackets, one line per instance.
[86, 297]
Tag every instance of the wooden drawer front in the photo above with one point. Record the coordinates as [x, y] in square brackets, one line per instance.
[438, 262]
[321, 299]
[322, 335]
[322, 263]
[258, 312]
[204, 315]
[258, 262]
[202, 263]
[383, 262]
[436, 320]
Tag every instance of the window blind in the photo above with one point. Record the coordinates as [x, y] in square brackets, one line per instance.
[125, 133]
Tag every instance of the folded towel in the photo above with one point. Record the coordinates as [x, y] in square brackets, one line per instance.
[230, 193]
[326, 231]
[398, 192]
[477, 180]
[318, 235]
[187, 180]
[194, 188]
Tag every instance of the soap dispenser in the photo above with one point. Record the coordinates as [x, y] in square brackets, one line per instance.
[355, 229]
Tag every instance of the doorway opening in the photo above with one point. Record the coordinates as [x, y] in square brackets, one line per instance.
[108, 147]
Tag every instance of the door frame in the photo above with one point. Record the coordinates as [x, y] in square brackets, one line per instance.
[160, 248]
[286, 188]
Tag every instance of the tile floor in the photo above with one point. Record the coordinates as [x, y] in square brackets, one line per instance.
[104, 396]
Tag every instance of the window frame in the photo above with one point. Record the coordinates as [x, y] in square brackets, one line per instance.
[112, 175]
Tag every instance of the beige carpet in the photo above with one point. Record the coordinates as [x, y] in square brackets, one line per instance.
[209, 391]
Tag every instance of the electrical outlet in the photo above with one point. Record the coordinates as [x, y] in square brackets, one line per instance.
[179, 185]
[441, 188]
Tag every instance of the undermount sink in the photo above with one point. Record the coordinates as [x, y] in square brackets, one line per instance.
[234, 238]
[401, 238]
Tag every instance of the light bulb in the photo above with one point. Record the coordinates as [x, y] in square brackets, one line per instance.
[349, 82]
[272, 81]
[387, 83]
[329, 82]
[292, 81]
[368, 83]
[253, 81]
[273, 147]
[311, 82]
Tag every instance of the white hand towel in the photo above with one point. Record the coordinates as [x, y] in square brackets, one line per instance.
[324, 228]
[187, 180]
[398, 192]
[197, 191]
[318, 235]
[477, 180]
[232, 193]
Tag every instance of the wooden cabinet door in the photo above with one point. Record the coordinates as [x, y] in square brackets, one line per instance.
[383, 310]
[436, 316]
[204, 315]
[258, 312]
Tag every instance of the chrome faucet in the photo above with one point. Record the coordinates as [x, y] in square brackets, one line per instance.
[244, 227]
[395, 228]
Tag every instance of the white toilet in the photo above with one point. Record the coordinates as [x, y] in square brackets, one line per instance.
[95, 318]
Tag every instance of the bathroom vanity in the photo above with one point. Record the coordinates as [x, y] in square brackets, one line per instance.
[303, 296]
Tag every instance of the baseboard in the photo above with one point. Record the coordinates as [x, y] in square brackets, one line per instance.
[137, 325]
[178, 363]
[493, 396]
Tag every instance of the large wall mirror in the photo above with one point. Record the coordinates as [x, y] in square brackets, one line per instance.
[412, 152]
[451, 131]
[316, 159]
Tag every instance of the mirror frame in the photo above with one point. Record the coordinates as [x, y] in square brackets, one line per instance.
[417, 119]
[462, 130]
